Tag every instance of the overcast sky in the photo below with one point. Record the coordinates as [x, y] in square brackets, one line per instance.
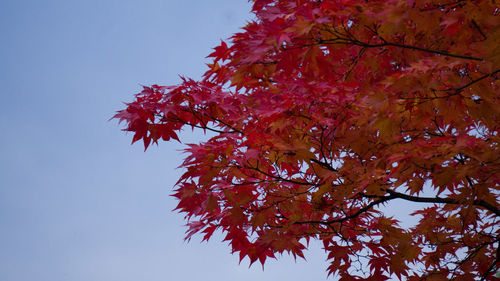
[77, 201]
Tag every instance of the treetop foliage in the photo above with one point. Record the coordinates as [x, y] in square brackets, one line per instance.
[325, 111]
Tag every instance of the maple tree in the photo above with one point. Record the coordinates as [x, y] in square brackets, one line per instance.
[324, 111]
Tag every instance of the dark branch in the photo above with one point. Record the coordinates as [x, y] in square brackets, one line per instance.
[476, 80]
[324, 165]
[479, 29]
[347, 41]
[352, 216]
[480, 203]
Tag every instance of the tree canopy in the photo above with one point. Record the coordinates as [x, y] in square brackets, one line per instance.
[324, 111]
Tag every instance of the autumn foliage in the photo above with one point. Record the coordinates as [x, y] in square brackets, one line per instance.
[325, 112]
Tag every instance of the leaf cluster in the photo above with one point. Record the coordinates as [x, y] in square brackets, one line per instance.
[325, 111]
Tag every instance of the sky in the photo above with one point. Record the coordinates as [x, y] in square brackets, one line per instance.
[77, 201]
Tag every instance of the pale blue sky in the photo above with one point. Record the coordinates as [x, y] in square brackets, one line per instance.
[77, 201]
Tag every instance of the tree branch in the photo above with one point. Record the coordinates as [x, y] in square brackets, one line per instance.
[480, 203]
[353, 41]
[477, 80]
[352, 216]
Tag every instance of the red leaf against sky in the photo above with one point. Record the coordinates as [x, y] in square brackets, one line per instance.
[325, 111]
